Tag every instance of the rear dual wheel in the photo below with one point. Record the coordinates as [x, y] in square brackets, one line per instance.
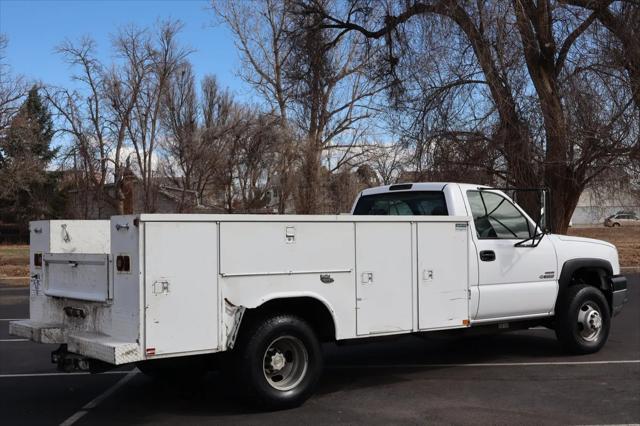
[278, 361]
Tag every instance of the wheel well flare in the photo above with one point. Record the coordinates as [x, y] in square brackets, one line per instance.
[593, 272]
[311, 310]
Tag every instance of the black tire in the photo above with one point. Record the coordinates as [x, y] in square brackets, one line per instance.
[252, 367]
[581, 310]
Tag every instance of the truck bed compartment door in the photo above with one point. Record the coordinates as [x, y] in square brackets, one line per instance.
[181, 292]
[443, 298]
[383, 277]
[77, 276]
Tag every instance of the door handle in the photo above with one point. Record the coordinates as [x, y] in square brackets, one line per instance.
[487, 255]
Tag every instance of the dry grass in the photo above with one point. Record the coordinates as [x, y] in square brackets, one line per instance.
[14, 261]
[626, 239]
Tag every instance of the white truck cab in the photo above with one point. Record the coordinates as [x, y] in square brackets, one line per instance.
[514, 280]
[176, 292]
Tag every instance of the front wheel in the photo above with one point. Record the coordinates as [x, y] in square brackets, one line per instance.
[279, 361]
[583, 322]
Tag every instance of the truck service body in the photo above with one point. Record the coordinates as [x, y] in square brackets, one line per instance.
[265, 289]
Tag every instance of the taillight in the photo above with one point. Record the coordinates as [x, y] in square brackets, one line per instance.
[37, 260]
[123, 263]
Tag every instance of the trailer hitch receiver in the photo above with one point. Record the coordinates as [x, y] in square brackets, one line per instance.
[69, 362]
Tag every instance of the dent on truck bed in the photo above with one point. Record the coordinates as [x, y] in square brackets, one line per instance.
[232, 320]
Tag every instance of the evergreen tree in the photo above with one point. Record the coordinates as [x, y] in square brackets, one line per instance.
[27, 190]
[30, 131]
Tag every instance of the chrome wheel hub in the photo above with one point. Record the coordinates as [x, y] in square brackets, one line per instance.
[278, 361]
[589, 321]
[285, 363]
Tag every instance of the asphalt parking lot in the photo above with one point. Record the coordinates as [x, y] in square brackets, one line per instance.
[520, 377]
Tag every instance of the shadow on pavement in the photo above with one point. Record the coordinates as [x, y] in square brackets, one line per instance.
[212, 396]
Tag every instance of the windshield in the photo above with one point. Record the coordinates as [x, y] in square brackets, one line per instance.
[406, 203]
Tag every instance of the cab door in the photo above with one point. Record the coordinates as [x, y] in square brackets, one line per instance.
[513, 281]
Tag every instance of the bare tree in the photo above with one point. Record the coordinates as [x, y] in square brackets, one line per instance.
[388, 162]
[198, 132]
[182, 150]
[116, 111]
[12, 88]
[532, 132]
[313, 82]
[286, 162]
[152, 59]
[570, 162]
[621, 18]
[98, 134]
[216, 145]
[258, 161]
[510, 133]
[331, 98]
[260, 30]
[249, 161]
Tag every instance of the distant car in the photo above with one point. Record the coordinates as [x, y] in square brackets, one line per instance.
[622, 219]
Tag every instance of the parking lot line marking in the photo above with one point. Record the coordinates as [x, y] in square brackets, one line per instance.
[79, 373]
[98, 399]
[486, 364]
[14, 340]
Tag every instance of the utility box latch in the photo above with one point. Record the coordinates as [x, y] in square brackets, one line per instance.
[161, 287]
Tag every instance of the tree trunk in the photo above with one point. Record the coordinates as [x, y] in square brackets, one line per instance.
[521, 171]
[308, 200]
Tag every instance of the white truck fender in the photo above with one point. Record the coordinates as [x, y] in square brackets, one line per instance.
[253, 303]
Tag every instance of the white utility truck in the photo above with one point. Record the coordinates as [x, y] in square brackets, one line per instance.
[266, 290]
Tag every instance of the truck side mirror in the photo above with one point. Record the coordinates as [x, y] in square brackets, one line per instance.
[544, 211]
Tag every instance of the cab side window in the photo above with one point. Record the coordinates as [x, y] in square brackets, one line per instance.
[495, 217]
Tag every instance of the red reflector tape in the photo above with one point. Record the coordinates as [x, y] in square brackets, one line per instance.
[151, 351]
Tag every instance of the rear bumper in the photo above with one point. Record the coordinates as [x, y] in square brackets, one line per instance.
[37, 331]
[619, 294]
[91, 345]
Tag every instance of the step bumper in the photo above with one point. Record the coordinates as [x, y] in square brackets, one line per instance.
[91, 345]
